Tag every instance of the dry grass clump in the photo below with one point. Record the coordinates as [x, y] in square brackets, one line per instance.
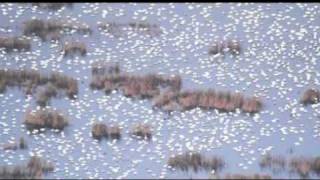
[74, 48]
[165, 91]
[102, 68]
[310, 96]
[14, 43]
[30, 80]
[114, 132]
[209, 99]
[216, 48]
[45, 94]
[196, 162]
[41, 28]
[34, 169]
[304, 166]
[276, 163]
[45, 118]
[316, 165]
[37, 164]
[147, 86]
[220, 47]
[142, 131]
[52, 29]
[21, 144]
[141, 86]
[108, 77]
[165, 98]
[52, 6]
[251, 105]
[233, 46]
[247, 176]
[301, 165]
[100, 130]
[64, 82]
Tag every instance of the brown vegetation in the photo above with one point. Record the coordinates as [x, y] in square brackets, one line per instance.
[165, 91]
[142, 131]
[304, 166]
[107, 76]
[196, 162]
[14, 43]
[73, 48]
[30, 80]
[219, 47]
[52, 28]
[310, 96]
[100, 130]
[247, 176]
[14, 146]
[114, 132]
[52, 6]
[34, 169]
[209, 99]
[300, 165]
[276, 163]
[45, 118]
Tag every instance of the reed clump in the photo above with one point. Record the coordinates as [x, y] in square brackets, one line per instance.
[310, 96]
[35, 168]
[45, 118]
[196, 161]
[142, 131]
[15, 43]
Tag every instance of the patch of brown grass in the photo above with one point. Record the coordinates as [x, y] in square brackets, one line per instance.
[15, 43]
[275, 163]
[52, 6]
[310, 96]
[142, 131]
[196, 162]
[34, 169]
[45, 118]
[73, 48]
[247, 176]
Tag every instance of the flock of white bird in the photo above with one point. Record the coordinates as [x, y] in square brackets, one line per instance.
[280, 59]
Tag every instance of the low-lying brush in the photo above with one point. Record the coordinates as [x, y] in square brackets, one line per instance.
[100, 130]
[220, 47]
[15, 43]
[108, 77]
[45, 118]
[247, 176]
[52, 29]
[74, 48]
[34, 169]
[223, 101]
[16, 145]
[45, 86]
[196, 162]
[142, 131]
[276, 163]
[310, 96]
[301, 165]
[304, 166]
[52, 6]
